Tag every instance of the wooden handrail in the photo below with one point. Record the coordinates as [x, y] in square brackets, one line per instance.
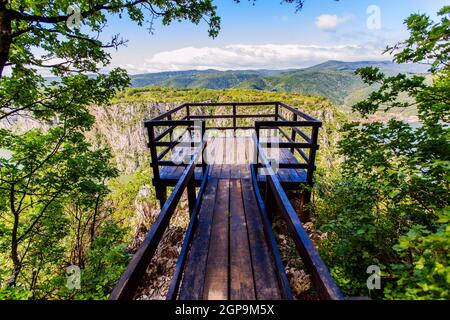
[297, 130]
[170, 112]
[128, 283]
[230, 104]
[267, 227]
[312, 145]
[321, 277]
[298, 112]
[275, 104]
[308, 123]
[181, 262]
[232, 116]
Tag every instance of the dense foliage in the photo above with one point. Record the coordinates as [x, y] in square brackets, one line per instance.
[53, 181]
[390, 205]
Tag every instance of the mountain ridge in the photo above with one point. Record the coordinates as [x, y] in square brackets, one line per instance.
[331, 79]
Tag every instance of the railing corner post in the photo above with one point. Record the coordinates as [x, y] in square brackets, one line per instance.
[294, 118]
[203, 140]
[234, 119]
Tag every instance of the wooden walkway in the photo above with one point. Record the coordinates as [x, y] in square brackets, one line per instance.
[230, 251]
[229, 256]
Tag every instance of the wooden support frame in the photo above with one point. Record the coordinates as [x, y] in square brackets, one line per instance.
[181, 262]
[322, 279]
[283, 282]
[128, 283]
[291, 144]
[162, 142]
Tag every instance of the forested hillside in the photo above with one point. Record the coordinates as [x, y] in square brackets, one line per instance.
[334, 80]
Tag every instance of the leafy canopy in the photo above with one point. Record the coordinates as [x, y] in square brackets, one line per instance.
[391, 206]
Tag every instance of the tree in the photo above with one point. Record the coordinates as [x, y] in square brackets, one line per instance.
[51, 177]
[391, 209]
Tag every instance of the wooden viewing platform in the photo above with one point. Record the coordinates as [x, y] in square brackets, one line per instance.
[235, 170]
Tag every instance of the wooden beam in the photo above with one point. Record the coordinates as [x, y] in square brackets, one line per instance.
[181, 262]
[128, 283]
[322, 279]
[282, 278]
[298, 112]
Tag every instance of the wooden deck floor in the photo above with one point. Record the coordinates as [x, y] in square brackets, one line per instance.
[229, 258]
[232, 157]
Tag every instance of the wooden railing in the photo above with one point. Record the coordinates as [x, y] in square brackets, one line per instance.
[297, 130]
[128, 283]
[321, 277]
[310, 143]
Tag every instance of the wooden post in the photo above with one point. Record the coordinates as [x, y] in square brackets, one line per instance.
[234, 119]
[294, 118]
[256, 150]
[188, 113]
[268, 201]
[161, 192]
[203, 138]
[191, 194]
[306, 199]
[188, 117]
[277, 107]
[312, 154]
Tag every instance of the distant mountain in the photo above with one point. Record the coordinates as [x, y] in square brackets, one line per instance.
[388, 67]
[334, 80]
[211, 79]
[332, 84]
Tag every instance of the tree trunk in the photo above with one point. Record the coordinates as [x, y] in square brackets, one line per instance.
[14, 253]
[94, 219]
[5, 37]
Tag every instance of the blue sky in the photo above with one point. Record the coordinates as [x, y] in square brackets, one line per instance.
[269, 35]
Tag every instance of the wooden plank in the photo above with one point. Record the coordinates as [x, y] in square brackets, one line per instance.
[227, 157]
[216, 278]
[245, 172]
[167, 172]
[235, 167]
[172, 172]
[297, 175]
[170, 176]
[241, 273]
[240, 159]
[194, 275]
[217, 155]
[283, 174]
[289, 158]
[265, 278]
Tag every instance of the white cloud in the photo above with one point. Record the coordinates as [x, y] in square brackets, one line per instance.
[330, 22]
[267, 56]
